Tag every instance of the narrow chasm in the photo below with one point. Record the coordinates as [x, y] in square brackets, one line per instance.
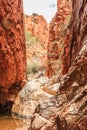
[43, 67]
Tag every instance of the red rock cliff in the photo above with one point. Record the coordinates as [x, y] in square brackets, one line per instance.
[75, 40]
[12, 46]
[38, 26]
[36, 31]
[67, 110]
[57, 37]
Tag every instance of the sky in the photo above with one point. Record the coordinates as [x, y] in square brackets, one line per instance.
[47, 8]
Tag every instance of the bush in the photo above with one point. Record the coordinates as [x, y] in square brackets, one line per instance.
[32, 67]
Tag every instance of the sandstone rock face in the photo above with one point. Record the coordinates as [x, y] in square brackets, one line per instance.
[75, 40]
[57, 35]
[68, 109]
[38, 26]
[12, 47]
[36, 32]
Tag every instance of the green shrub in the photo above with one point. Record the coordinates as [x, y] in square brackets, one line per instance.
[34, 14]
[32, 67]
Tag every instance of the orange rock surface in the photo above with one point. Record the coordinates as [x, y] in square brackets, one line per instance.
[38, 26]
[67, 110]
[57, 37]
[36, 31]
[12, 46]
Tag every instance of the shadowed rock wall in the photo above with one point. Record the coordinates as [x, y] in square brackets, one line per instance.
[57, 35]
[76, 34]
[12, 46]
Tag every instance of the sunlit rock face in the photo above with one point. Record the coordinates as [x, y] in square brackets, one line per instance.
[36, 32]
[57, 37]
[67, 110]
[38, 26]
[12, 48]
[30, 96]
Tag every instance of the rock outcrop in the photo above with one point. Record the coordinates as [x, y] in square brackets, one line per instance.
[57, 37]
[30, 97]
[67, 110]
[36, 32]
[12, 49]
[77, 32]
[38, 26]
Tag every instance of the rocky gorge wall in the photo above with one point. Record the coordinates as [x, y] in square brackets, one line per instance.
[67, 110]
[75, 40]
[12, 49]
[59, 38]
[38, 26]
[36, 32]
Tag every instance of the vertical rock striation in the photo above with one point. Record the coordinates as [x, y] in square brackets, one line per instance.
[77, 33]
[67, 110]
[57, 36]
[12, 47]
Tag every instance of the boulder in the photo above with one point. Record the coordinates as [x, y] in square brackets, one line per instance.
[30, 97]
